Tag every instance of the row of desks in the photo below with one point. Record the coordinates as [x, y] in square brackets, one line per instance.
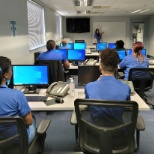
[69, 102]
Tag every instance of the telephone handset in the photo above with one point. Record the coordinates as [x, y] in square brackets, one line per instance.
[59, 88]
[89, 62]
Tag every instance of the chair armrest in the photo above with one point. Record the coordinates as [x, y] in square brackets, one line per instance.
[73, 118]
[140, 125]
[43, 126]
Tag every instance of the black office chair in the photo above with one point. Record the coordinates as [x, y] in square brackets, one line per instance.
[56, 70]
[142, 79]
[18, 143]
[103, 136]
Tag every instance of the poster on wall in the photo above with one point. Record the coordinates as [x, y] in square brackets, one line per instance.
[13, 28]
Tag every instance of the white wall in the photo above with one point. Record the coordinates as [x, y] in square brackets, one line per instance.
[17, 48]
[88, 37]
[151, 35]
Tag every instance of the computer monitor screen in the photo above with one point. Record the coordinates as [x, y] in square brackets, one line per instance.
[101, 46]
[129, 52]
[111, 45]
[63, 51]
[87, 74]
[122, 54]
[76, 55]
[68, 46]
[80, 46]
[30, 75]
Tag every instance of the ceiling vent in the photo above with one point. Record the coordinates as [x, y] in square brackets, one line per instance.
[83, 12]
[101, 7]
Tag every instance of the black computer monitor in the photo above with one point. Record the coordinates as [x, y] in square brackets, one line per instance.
[129, 52]
[111, 45]
[101, 46]
[67, 46]
[122, 53]
[87, 74]
[30, 76]
[63, 51]
[80, 46]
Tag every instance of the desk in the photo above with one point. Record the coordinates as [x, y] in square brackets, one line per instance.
[69, 103]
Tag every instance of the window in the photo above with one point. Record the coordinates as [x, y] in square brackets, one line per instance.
[36, 25]
[58, 27]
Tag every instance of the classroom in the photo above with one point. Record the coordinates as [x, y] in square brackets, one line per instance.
[15, 44]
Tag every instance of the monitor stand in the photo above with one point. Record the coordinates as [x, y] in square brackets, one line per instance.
[31, 90]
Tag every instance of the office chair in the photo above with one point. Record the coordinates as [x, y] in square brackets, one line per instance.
[56, 72]
[18, 143]
[103, 136]
[142, 79]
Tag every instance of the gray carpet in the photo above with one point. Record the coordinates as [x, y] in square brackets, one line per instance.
[61, 134]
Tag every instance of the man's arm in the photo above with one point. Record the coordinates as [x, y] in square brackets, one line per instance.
[66, 64]
[28, 119]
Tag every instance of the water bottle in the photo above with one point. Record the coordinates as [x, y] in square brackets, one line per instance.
[72, 87]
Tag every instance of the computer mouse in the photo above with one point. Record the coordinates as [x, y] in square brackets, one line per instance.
[59, 100]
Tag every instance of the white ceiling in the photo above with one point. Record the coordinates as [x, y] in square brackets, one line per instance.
[102, 7]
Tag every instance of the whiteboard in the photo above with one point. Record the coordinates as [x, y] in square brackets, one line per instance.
[113, 31]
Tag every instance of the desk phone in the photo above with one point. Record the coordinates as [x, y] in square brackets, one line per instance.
[59, 88]
[89, 62]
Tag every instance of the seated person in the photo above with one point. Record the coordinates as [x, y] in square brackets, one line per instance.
[120, 44]
[63, 44]
[13, 103]
[107, 87]
[135, 60]
[51, 54]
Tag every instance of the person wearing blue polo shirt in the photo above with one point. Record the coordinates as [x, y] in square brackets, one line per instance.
[97, 36]
[135, 60]
[63, 44]
[51, 54]
[13, 103]
[107, 87]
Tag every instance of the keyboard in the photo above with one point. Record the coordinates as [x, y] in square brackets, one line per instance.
[36, 98]
[130, 84]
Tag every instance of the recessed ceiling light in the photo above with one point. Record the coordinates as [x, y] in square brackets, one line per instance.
[83, 2]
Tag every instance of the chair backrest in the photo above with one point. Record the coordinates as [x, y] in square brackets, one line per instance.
[56, 72]
[142, 79]
[13, 136]
[104, 137]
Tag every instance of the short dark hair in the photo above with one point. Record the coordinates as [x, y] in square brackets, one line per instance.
[119, 44]
[5, 64]
[109, 59]
[50, 45]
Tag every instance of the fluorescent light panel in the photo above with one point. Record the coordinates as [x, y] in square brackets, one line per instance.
[145, 10]
[136, 11]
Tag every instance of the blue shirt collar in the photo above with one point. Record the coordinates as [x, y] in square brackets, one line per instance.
[107, 78]
[3, 86]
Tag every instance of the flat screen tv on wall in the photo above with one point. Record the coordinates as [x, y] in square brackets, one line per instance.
[77, 25]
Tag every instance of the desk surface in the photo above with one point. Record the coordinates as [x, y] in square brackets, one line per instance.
[69, 102]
